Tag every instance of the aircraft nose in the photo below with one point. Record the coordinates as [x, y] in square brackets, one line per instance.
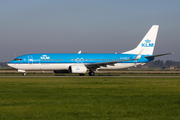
[9, 65]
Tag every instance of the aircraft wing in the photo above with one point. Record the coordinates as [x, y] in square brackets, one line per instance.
[104, 64]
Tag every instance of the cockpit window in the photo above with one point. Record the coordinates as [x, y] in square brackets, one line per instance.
[18, 59]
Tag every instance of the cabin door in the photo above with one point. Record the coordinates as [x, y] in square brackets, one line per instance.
[30, 59]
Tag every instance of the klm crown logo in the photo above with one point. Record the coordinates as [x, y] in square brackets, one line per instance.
[147, 43]
[77, 68]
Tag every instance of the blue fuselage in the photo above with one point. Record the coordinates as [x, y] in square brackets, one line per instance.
[54, 58]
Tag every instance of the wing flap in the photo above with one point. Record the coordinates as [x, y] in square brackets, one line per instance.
[104, 64]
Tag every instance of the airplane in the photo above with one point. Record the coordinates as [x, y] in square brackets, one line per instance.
[80, 63]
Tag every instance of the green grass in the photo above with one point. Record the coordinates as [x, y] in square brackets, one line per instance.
[97, 74]
[104, 98]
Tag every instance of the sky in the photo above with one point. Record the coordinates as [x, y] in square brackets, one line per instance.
[92, 26]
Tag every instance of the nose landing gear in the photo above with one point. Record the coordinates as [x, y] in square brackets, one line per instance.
[24, 74]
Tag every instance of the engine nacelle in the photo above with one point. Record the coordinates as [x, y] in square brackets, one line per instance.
[77, 69]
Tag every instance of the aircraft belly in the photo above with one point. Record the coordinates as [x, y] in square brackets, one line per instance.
[66, 66]
[49, 66]
[41, 66]
[17, 66]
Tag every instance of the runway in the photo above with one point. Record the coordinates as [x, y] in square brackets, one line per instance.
[88, 76]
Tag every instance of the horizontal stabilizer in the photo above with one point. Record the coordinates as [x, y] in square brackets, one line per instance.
[158, 55]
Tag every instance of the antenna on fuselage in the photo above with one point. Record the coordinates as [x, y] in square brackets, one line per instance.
[79, 52]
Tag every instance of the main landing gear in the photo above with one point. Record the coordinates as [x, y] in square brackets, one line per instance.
[24, 74]
[91, 73]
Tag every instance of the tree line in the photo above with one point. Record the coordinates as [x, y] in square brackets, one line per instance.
[162, 64]
[3, 64]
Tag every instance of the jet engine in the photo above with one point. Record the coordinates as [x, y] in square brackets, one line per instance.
[81, 69]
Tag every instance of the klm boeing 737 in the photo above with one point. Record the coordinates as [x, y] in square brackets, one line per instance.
[80, 63]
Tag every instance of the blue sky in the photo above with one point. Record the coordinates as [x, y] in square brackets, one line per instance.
[93, 26]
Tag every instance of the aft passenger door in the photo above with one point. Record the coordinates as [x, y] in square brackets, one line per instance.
[135, 61]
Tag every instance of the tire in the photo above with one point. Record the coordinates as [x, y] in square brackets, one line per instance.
[91, 73]
[24, 74]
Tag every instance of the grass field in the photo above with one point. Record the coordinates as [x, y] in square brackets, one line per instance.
[97, 74]
[104, 98]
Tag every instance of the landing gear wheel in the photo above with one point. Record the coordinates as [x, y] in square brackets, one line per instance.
[24, 74]
[81, 74]
[91, 73]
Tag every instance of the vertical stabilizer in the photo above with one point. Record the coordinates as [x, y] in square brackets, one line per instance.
[147, 44]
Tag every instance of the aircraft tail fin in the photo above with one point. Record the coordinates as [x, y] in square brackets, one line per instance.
[147, 44]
